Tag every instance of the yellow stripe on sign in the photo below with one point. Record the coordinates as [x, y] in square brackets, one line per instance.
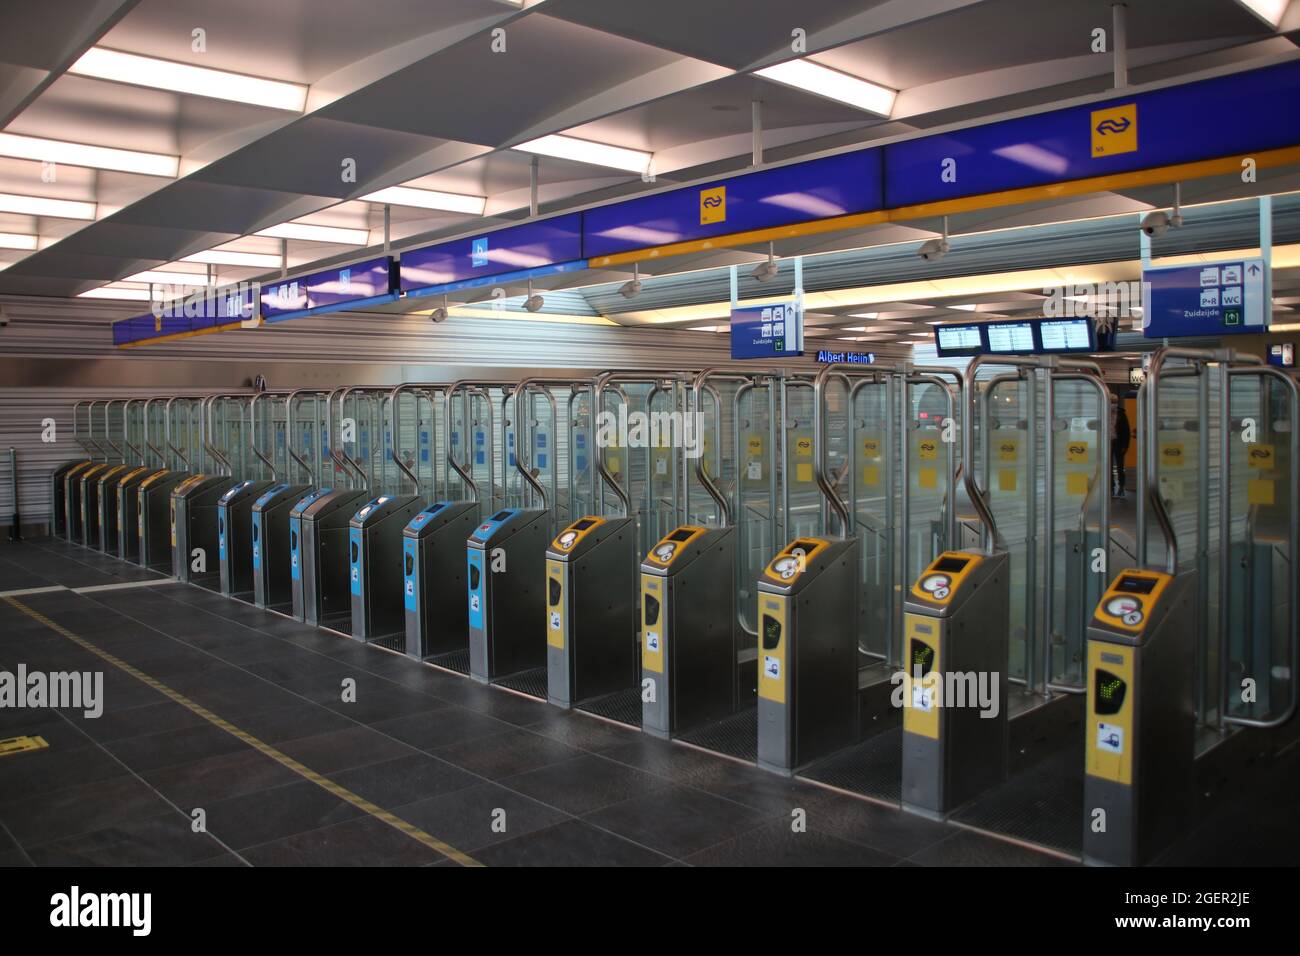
[361, 803]
[21, 745]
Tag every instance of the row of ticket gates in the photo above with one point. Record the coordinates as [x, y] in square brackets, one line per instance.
[580, 617]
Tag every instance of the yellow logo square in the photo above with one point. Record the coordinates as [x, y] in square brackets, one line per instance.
[713, 205]
[1115, 130]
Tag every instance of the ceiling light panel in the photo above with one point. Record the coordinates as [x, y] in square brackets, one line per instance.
[16, 240]
[833, 85]
[40, 206]
[302, 230]
[113, 292]
[251, 260]
[428, 199]
[120, 67]
[93, 157]
[169, 278]
[586, 151]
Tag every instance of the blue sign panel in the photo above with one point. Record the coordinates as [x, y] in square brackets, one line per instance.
[1219, 298]
[352, 286]
[769, 331]
[529, 245]
[204, 309]
[1282, 354]
[817, 189]
[1181, 124]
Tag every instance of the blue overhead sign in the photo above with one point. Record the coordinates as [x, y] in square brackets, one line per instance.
[765, 332]
[205, 309]
[528, 246]
[1224, 116]
[1206, 299]
[818, 189]
[351, 286]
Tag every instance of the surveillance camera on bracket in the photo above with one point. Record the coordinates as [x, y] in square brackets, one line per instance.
[933, 250]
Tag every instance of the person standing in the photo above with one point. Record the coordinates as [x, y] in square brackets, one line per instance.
[1120, 435]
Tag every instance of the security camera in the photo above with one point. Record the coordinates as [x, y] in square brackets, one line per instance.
[933, 250]
[438, 315]
[765, 271]
[4, 320]
[630, 289]
[534, 303]
[1156, 223]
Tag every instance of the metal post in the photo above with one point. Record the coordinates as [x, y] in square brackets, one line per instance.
[756, 113]
[533, 170]
[1119, 43]
[388, 227]
[15, 530]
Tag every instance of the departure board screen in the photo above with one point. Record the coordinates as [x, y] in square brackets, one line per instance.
[958, 340]
[1067, 335]
[1010, 338]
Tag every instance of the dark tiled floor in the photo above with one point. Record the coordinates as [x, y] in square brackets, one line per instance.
[506, 779]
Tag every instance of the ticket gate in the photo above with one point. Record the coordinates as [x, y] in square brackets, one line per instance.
[88, 503]
[153, 518]
[1140, 732]
[688, 627]
[808, 650]
[318, 541]
[235, 537]
[63, 520]
[375, 575]
[194, 525]
[269, 530]
[433, 576]
[106, 506]
[955, 629]
[128, 513]
[506, 566]
[591, 641]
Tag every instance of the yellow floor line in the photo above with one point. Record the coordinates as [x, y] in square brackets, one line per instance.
[361, 803]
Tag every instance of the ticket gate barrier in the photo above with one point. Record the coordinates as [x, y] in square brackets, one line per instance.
[194, 524]
[128, 512]
[153, 518]
[1140, 732]
[88, 503]
[808, 653]
[318, 539]
[434, 583]
[110, 507]
[62, 519]
[103, 499]
[269, 529]
[591, 642]
[375, 575]
[72, 500]
[235, 537]
[506, 567]
[955, 628]
[689, 659]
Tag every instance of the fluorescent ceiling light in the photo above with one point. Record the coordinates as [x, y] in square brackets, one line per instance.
[39, 206]
[121, 67]
[864, 315]
[585, 151]
[111, 292]
[301, 230]
[1270, 11]
[169, 278]
[254, 260]
[94, 157]
[962, 308]
[832, 84]
[15, 240]
[428, 199]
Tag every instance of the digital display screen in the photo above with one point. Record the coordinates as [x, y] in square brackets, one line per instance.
[1006, 338]
[771, 632]
[681, 534]
[1110, 691]
[951, 565]
[1136, 585]
[921, 658]
[582, 525]
[500, 516]
[1067, 335]
[958, 340]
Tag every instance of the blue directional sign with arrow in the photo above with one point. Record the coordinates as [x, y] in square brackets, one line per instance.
[1206, 299]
